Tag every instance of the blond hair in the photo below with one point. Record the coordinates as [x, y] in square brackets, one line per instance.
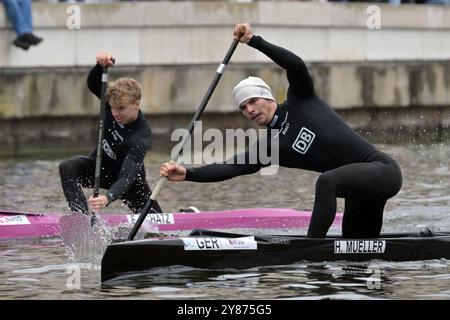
[123, 91]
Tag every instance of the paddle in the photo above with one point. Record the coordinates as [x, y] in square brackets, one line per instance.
[101, 130]
[176, 155]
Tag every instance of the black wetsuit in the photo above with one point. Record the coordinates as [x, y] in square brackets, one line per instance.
[312, 136]
[123, 172]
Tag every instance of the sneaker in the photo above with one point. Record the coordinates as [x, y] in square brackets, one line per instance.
[32, 39]
[190, 209]
[22, 42]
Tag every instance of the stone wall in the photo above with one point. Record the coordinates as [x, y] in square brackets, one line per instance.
[394, 77]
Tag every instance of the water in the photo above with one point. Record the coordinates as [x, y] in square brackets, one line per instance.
[47, 271]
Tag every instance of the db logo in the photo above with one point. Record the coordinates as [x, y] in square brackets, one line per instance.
[304, 140]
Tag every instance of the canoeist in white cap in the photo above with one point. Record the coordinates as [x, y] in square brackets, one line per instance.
[312, 137]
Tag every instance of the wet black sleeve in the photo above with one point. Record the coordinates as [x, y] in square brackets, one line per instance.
[296, 70]
[94, 80]
[233, 167]
[131, 167]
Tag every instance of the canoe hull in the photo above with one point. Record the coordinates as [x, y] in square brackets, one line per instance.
[25, 225]
[138, 256]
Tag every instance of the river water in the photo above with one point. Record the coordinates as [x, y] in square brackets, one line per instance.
[46, 271]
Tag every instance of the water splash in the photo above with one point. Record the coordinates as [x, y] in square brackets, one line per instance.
[83, 243]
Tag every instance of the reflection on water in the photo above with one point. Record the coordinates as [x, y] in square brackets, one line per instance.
[336, 280]
[43, 270]
[327, 280]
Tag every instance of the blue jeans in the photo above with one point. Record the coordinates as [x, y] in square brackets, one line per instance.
[19, 13]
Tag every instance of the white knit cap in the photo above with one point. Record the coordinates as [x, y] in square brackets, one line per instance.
[252, 87]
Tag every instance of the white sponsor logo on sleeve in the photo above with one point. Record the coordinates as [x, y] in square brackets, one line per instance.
[304, 140]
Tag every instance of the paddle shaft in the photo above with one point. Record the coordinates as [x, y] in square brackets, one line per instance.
[176, 155]
[101, 130]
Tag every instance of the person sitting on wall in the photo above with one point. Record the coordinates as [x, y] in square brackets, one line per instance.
[19, 14]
